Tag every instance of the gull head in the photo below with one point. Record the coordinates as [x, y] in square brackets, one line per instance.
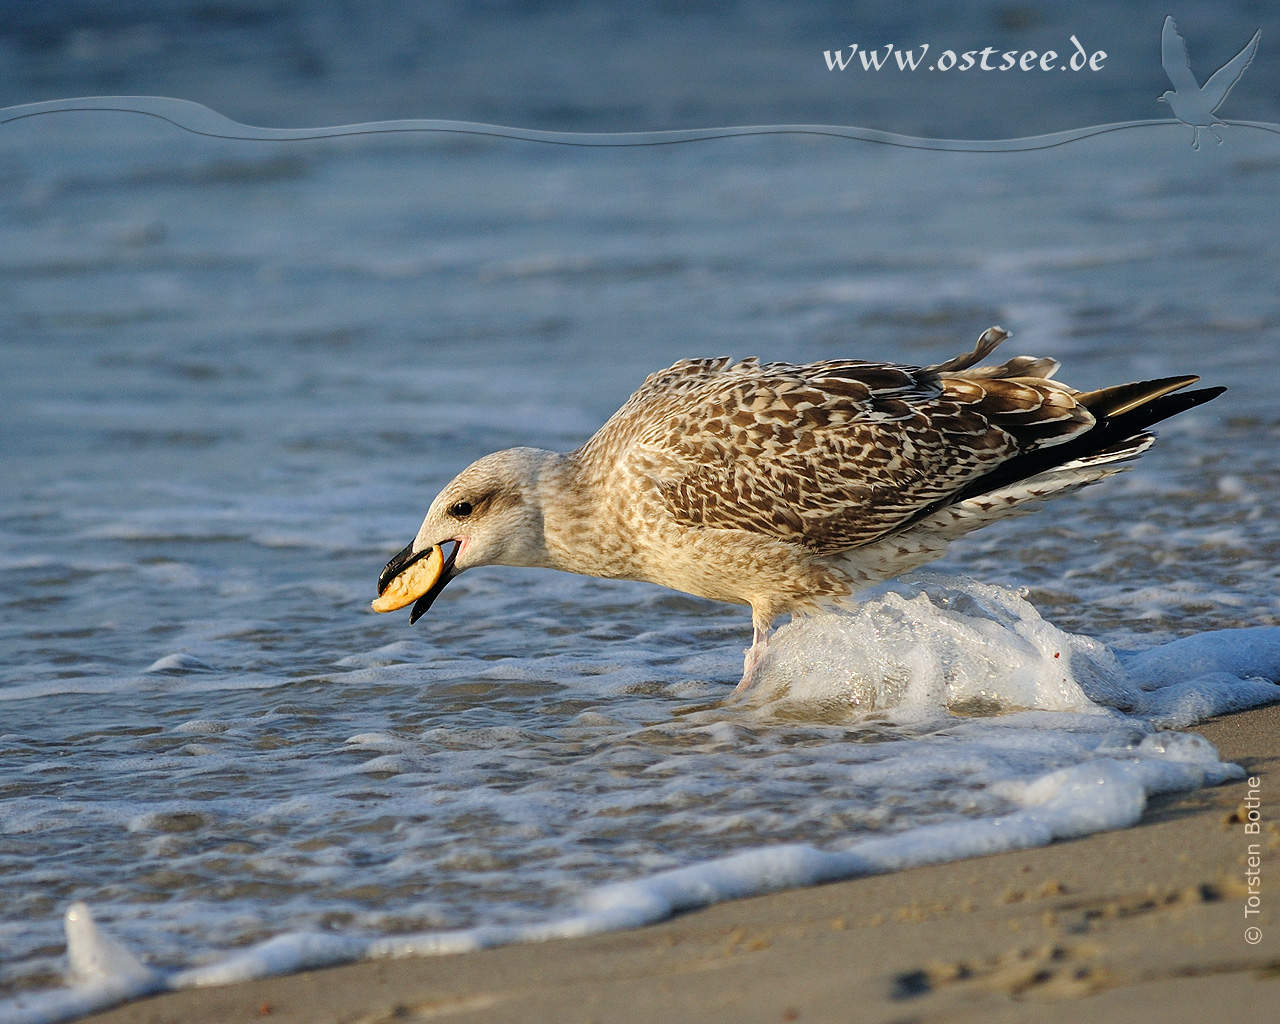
[489, 514]
[493, 510]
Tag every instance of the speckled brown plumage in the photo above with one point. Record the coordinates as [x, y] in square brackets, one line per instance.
[830, 455]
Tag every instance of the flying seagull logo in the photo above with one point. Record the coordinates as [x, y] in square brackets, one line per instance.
[1191, 102]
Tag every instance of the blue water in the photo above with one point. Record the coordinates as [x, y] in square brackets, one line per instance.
[234, 375]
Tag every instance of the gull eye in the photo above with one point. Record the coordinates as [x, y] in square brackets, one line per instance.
[460, 510]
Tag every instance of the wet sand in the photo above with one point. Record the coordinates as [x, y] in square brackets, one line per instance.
[1148, 923]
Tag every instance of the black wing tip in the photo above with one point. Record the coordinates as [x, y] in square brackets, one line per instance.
[1108, 404]
[1206, 394]
[1173, 404]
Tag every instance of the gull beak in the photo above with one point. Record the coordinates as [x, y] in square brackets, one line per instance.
[417, 578]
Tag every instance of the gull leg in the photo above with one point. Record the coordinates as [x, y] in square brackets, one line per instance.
[755, 655]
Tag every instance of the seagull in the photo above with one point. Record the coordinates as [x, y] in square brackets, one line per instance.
[1190, 102]
[785, 487]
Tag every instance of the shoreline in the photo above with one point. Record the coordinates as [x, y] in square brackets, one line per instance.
[1146, 920]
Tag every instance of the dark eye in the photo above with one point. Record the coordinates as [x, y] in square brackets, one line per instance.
[461, 510]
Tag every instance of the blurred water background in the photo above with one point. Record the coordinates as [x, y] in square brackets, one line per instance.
[233, 375]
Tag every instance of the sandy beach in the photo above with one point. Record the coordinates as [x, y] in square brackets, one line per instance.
[1150, 921]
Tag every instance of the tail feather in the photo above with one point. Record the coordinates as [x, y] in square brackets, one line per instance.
[1122, 451]
[1019, 497]
[1123, 413]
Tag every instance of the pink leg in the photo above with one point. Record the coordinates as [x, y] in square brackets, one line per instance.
[755, 654]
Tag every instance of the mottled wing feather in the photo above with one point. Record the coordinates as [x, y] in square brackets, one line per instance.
[833, 454]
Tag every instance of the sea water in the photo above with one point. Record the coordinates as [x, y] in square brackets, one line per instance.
[235, 375]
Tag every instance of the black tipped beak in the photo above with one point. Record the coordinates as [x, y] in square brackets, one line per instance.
[399, 564]
[421, 605]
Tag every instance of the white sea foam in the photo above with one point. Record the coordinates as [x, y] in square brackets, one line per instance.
[178, 662]
[1071, 802]
[1059, 737]
[936, 644]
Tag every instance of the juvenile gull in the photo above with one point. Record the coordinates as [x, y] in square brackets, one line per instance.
[783, 487]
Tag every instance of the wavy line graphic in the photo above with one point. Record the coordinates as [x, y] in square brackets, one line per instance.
[201, 120]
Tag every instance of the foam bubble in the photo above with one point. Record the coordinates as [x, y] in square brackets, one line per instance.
[929, 645]
[934, 644]
[179, 662]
